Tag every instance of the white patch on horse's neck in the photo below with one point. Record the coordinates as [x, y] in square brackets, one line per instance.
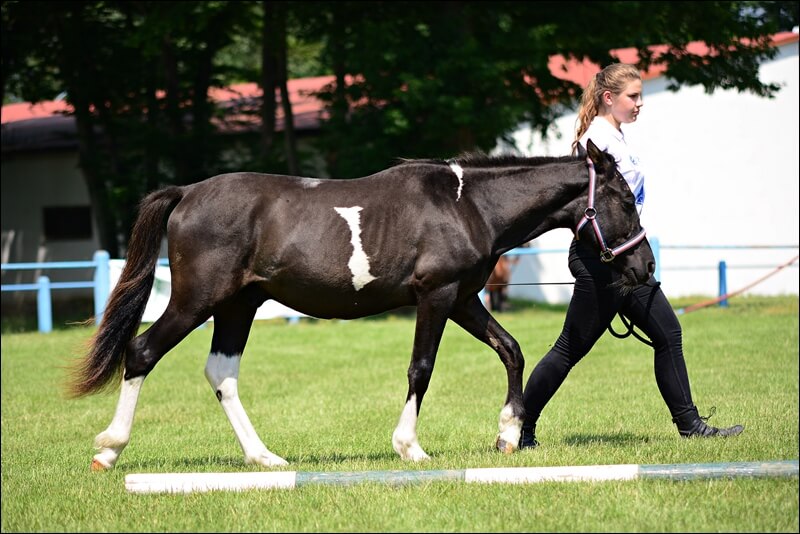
[359, 261]
[459, 172]
[310, 183]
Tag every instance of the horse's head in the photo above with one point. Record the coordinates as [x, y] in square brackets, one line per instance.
[611, 221]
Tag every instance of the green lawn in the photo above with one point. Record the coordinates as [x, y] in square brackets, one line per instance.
[326, 395]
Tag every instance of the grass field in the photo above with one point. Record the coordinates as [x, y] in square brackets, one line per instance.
[326, 395]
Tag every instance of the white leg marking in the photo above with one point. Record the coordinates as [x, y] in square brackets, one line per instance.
[113, 439]
[404, 438]
[359, 261]
[222, 372]
[460, 175]
[510, 429]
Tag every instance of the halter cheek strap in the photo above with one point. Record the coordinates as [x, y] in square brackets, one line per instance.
[590, 215]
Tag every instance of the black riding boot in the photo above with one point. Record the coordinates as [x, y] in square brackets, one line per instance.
[527, 439]
[692, 425]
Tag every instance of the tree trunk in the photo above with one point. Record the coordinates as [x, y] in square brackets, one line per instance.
[104, 218]
[173, 110]
[339, 106]
[286, 104]
[268, 79]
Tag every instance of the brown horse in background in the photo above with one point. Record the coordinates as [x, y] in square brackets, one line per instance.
[497, 284]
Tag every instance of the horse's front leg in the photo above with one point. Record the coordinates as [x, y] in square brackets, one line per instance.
[432, 311]
[473, 317]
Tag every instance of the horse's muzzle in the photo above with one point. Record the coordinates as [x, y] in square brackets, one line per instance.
[635, 277]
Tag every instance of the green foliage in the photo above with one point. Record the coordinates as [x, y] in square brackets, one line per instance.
[438, 78]
[326, 395]
[133, 73]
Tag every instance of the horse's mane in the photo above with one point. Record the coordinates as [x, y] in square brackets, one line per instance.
[480, 159]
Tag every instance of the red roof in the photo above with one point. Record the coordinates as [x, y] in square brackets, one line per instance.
[299, 94]
[307, 108]
[24, 110]
[580, 72]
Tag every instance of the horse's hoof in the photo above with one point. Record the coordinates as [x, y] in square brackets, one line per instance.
[411, 453]
[99, 466]
[504, 446]
[266, 459]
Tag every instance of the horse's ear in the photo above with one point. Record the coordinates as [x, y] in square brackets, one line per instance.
[600, 158]
[581, 151]
[594, 152]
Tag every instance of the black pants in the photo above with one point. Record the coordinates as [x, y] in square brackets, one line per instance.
[593, 306]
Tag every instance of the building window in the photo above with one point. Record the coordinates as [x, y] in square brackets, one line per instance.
[67, 222]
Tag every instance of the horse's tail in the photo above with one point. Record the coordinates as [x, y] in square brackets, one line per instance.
[127, 302]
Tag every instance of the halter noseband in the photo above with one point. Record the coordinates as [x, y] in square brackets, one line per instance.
[590, 215]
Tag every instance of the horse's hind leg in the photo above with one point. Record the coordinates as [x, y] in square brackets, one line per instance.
[142, 354]
[476, 319]
[231, 328]
[111, 442]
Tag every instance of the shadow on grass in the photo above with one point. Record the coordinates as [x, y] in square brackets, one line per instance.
[623, 439]
[210, 463]
[215, 463]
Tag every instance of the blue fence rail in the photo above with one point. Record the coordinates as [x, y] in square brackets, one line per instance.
[722, 266]
[101, 283]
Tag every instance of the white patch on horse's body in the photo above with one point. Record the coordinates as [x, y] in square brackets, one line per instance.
[359, 261]
[113, 439]
[459, 172]
[310, 183]
[222, 372]
[404, 437]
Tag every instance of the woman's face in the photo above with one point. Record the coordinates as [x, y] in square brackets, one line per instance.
[625, 106]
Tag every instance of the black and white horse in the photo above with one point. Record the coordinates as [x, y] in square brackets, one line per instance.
[425, 233]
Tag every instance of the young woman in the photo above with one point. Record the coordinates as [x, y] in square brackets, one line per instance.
[612, 98]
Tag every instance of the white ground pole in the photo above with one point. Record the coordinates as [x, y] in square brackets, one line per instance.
[202, 482]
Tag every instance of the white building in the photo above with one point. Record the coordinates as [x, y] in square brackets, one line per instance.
[722, 170]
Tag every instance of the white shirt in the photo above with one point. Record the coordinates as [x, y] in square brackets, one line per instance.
[608, 138]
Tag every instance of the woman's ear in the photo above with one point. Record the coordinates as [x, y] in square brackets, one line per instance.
[607, 98]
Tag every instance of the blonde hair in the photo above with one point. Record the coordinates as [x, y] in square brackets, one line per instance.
[614, 78]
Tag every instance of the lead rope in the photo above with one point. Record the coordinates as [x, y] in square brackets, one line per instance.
[630, 331]
[629, 324]
[711, 412]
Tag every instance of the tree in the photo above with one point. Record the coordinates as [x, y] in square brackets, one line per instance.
[50, 53]
[113, 60]
[437, 78]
